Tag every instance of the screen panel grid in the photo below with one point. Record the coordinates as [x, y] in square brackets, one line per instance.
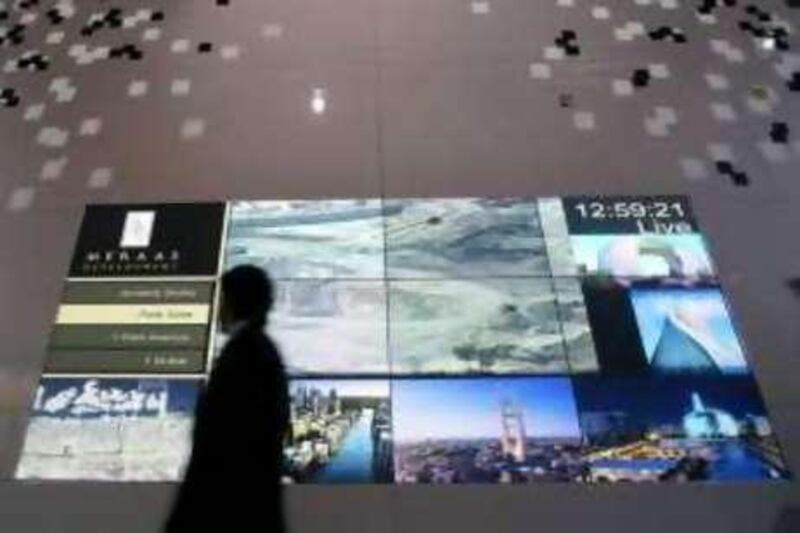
[436, 340]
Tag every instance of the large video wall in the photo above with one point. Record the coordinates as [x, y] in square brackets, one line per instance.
[439, 340]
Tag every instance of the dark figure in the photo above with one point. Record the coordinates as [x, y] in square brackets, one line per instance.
[794, 285]
[788, 520]
[687, 469]
[233, 480]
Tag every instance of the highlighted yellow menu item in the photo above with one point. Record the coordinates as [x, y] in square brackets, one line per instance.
[133, 314]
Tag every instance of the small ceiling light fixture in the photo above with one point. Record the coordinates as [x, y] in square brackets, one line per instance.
[768, 43]
[318, 101]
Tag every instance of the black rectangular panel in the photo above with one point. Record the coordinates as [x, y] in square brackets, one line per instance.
[136, 293]
[128, 337]
[166, 240]
[126, 361]
[629, 214]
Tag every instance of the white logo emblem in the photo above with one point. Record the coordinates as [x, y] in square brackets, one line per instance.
[138, 229]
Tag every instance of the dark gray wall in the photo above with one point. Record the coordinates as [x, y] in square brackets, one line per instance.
[425, 99]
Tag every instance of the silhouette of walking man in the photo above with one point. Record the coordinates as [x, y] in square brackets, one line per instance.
[233, 480]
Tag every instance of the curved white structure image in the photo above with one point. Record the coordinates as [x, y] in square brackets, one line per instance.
[642, 255]
[687, 330]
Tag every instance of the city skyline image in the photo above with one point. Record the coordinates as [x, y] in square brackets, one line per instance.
[340, 432]
[431, 409]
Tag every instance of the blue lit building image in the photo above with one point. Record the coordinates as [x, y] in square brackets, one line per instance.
[676, 428]
[708, 423]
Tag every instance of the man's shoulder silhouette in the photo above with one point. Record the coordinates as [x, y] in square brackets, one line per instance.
[249, 378]
[250, 348]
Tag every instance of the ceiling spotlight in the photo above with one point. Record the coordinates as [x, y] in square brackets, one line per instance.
[318, 101]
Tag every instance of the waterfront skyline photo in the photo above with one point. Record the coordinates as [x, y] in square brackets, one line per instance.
[341, 432]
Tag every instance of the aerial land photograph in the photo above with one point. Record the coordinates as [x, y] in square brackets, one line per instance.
[457, 238]
[308, 239]
[326, 327]
[476, 326]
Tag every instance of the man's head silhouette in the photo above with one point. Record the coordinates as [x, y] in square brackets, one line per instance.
[247, 296]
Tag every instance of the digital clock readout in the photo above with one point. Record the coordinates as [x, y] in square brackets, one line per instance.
[625, 210]
[663, 214]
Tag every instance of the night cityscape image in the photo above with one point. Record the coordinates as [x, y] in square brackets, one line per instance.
[676, 428]
[341, 432]
[489, 430]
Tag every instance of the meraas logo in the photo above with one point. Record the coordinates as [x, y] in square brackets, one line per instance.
[137, 232]
[132, 255]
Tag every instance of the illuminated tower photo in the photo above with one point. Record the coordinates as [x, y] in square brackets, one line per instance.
[513, 440]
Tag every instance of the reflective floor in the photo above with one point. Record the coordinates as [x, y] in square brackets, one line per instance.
[195, 100]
